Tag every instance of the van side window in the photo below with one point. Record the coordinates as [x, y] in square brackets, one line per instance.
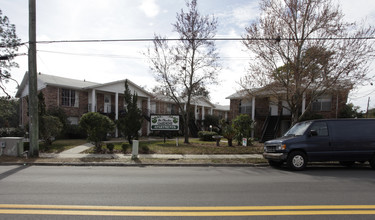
[321, 128]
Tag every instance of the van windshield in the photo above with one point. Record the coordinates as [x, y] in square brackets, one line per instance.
[298, 129]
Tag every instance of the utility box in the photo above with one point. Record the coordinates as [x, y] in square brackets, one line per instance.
[135, 148]
[12, 146]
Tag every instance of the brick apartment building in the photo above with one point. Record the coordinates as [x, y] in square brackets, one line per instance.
[77, 97]
[271, 115]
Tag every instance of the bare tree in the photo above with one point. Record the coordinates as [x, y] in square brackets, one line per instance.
[183, 67]
[9, 43]
[305, 47]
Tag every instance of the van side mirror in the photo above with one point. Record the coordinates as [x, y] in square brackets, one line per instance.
[313, 133]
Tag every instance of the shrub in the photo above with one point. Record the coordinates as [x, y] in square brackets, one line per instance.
[97, 126]
[51, 128]
[110, 147]
[212, 120]
[125, 148]
[206, 135]
[12, 132]
[144, 150]
[74, 132]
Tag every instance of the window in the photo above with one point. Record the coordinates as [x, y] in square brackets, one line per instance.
[153, 107]
[320, 128]
[245, 107]
[170, 109]
[322, 103]
[69, 98]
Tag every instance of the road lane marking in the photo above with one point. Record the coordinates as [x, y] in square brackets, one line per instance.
[28, 209]
[176, 208]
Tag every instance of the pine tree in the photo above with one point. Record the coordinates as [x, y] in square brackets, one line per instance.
[130, 122]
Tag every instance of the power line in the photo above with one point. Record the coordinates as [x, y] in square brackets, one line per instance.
[122, 56]
[198, 39]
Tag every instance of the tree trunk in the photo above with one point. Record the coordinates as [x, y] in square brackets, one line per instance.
[230, 143]
[186, 127]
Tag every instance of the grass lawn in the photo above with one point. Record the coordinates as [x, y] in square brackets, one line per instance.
[195, 147]
[61, 145]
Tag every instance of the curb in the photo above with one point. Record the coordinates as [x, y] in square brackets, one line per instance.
[133, 164]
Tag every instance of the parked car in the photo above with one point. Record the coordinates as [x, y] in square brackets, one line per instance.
[343, 140]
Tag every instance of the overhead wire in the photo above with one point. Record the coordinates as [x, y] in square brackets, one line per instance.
[278, 39]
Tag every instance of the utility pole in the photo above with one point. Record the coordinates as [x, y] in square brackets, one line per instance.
[368, 104]
[33, 87]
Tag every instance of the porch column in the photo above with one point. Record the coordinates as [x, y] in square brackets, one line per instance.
[116, 111]
[303, 102]
[253, 108]
[203, 113]
[93, 100]
[148, 114]
[195, 113]
[252, 115]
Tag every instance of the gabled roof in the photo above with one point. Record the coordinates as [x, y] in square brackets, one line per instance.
[251, 92]
[122, 82]
[273, 88]
[62, 81]
[58, 81]
[44, 80]
[198, 100]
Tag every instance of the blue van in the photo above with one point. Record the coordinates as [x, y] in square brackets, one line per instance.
[343, 140]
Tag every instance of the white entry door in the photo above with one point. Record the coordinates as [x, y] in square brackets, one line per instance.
[107, 103]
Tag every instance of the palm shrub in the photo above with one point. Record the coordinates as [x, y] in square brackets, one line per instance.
[242, 125]
[228, 132]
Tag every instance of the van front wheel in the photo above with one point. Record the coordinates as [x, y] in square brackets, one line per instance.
[297, 160]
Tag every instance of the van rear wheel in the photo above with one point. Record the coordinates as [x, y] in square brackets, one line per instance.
[297, 160]
[372, 162]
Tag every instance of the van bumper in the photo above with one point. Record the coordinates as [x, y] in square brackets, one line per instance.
[275, 156]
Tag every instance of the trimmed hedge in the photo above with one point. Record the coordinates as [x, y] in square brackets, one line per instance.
[206, 135]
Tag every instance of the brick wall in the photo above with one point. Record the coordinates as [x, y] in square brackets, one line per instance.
[145, 122]
[234, 109]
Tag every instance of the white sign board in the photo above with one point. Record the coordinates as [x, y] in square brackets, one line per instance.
[165, 122]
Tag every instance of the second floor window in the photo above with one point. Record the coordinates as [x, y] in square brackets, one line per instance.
[245, 107]
[323, 103]
[69, 98]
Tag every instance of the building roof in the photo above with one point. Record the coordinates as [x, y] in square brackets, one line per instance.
[44, 80]
[272, 89]
[58, 81]
[62, 81]
[222, 107]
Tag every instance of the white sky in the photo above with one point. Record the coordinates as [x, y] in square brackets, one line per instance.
[128, 19]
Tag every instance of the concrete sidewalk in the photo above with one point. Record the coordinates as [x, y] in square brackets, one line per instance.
[76, 152]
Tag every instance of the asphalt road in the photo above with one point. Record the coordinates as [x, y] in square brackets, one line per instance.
[185, 192]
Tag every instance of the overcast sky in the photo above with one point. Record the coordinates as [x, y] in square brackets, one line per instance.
[128, 19]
